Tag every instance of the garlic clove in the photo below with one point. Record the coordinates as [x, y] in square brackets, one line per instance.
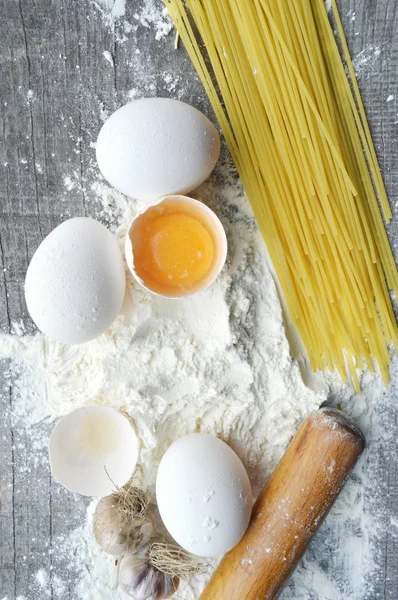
[141, 581]
[170, 585]
[116, 531]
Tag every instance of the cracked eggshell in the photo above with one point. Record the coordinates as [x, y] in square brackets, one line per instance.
[156, 146]
[215, 227]
[204, 495]
[75, 282]
[93, 450]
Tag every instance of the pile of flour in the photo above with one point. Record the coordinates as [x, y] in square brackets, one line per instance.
[218, 363]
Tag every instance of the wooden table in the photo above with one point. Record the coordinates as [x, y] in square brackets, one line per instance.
[54, 85]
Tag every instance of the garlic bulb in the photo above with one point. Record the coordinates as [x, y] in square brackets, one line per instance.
[118, 527]
[142, 581]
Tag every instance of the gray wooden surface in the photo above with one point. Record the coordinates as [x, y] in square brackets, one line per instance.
[54, 84]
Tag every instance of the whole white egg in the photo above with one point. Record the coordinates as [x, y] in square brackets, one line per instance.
[157, 146]
[204, 495]
[75, 282]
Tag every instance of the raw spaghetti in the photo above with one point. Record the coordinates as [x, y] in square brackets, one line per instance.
[297, 130]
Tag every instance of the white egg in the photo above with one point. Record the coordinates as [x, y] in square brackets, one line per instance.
[93, 450]
[75, 282]
[204, 495]
[157, 146]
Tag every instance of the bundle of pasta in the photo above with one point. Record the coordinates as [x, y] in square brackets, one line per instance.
[297, 131]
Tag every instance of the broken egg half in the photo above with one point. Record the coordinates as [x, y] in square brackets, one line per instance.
[176, 247]
[93, 450]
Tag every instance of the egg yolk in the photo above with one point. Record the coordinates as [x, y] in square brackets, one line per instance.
[174, 250]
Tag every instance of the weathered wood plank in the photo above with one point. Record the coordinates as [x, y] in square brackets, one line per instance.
[7, 554]
[54, 83]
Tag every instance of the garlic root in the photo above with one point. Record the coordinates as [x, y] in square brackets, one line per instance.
[173, 560]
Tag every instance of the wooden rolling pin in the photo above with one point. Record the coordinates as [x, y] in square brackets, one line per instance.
[293, 504]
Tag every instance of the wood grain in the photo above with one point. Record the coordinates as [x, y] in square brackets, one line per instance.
[54, 48]
[291, 508]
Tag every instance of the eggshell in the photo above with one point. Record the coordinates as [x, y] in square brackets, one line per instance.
[220, 243]
[75, 282]
[157, 146]
[204, 495]
[93, 450]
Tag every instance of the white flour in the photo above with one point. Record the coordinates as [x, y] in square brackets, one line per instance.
[218, 363]
[366, 60]
[151, 14]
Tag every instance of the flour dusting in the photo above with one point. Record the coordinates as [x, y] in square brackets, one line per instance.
[108, 57]
[366, 60]
[151, 14]
[42, 578]
[218, 363]
[114, 8]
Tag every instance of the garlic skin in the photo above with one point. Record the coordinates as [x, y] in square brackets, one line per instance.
[117, 532]
[141, 581]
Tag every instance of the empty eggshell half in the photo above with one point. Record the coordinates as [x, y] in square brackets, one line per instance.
[170, 205]
[93, 450]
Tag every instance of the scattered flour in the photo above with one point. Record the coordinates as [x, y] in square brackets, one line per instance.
[108, 56]
[69, 183]
[365, 60]
[352, 15]
[114, 8]
[18, 327]
[208, 495]
[151, 14]
[390, 98]
[210, 523]
[42, 578]
[218, 362]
